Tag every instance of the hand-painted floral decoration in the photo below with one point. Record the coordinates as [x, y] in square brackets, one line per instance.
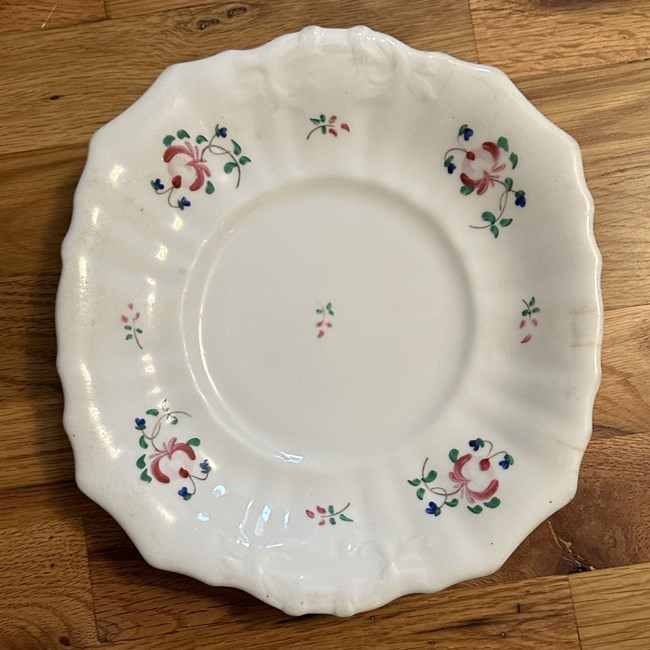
[328, 514]
[327, 126]
[171, 460]
[473, 479]
[324, 321]
[132, 330]
[189, 168]
[483, 168]
[529, 321]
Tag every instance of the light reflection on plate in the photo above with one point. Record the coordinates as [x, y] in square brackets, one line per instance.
[354, 283]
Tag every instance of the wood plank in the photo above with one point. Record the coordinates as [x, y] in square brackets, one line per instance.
[124, 8]
[623, 402]
[27, 323]
[612, 608]
[386, 16]
[97, 70]
[35, 449]
[35, 15]
[608, 522]
[133, 600]
[39, 208]
[67, 81]
[136, 604]
[44, 503]
[616, 156]
[383, 16]
[526, 37]
[45, 596]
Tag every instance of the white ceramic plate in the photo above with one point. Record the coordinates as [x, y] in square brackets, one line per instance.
[329, 321]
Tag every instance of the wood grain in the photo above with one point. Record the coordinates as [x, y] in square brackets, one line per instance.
[606, 111]
[45, 597]
[123, 8]
[623, 401]
[36, 450]
[608, 523]
[40, 205]
[97, 70]
[613, 608]
[528, 37]
[70, 575]
[35, 453]
[21, 16]
[151, 603]
[45, 503]
[518, 615]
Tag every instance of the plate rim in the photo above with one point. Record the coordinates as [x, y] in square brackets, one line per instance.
[75, 404]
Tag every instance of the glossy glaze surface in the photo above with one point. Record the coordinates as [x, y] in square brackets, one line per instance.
[281, 314]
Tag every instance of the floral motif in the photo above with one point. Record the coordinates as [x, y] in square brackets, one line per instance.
[170, 458]
[328, 514]
[327, 125]
[132, 330]
[472, 477]
[529, 321]
[188, 168]
[483, 168]
[323, 321]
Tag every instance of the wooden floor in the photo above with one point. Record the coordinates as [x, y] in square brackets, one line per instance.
[70, 578]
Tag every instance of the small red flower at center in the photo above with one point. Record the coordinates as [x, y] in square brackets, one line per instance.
[324, 321]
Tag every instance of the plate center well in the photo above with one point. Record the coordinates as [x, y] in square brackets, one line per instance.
[328, 321]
